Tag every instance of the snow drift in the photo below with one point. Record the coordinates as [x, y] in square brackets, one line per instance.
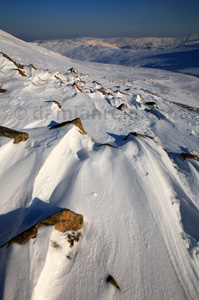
[126, 176]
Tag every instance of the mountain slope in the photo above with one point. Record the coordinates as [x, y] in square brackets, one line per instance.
[172, 54]
[127, 175]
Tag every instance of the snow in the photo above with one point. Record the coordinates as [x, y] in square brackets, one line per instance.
[139, 198]
[172, 54]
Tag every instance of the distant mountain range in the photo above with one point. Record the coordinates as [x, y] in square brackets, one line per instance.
[172, 54]
[130, 43]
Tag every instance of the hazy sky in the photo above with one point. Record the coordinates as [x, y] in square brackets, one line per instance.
[47, 19]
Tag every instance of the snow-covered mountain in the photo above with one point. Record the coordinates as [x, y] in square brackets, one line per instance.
[117, 145]
[172, 54]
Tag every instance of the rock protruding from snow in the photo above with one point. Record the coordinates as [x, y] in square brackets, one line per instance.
[77, 122]
[73, 70]
[63, 220]
[13, 134]
[122, 106]
[187, 155]
[111, 280]
[56, 102]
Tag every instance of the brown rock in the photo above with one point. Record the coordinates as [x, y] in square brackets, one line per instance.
[187, 155]
[122, 106]
[32, 66]
[151, 103]
[56, 102]
[111, 280]
[21, 72]
[63, 220]
[144, 136]
[19, 66]
[138, 134]
[58, 78]
[77, 122]
[16, 135]
[2, 91]
[77, 87]
[107, 144]
[102, 92]
[73, 70]
[118, 91]
[24, 237]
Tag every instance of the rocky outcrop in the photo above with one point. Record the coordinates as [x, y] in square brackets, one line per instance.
[144, 136]
[122, 106]
[111, 280]
[101, 91]
[63, 220]
[151, 103]
[19, 66]
[16, 135]
[138, 134]
[77, 87]
[106, 144]
[73, 70]
[77, 122]
[2, 91]
[54, 101]
[187, 155]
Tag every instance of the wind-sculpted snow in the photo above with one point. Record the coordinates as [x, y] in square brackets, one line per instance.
[119, 146]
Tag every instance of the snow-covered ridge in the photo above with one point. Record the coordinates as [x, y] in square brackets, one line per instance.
[133, 43]
[172, 54]
[133, 176]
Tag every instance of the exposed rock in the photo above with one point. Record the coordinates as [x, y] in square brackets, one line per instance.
[96, 82]
[32, 66]
[107, 144]
[151, 103]
[138, 134]
[24, 237]
[118, 91]
[77, 122]
[58, 78]
[63, 220]
[54, 101]
[122, 106]
[82, 81]
[77, 87]
[2, 91]
[144, 136]
[16, 135]
[101, 91]
[21, 72]
[187, 155]
[191, 108]
[111, 280]
[19, 66]
[73, 70]
[151, 93]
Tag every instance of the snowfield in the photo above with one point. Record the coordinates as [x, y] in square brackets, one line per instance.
[132, 172]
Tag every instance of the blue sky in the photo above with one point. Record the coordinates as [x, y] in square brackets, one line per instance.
[47, 19]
